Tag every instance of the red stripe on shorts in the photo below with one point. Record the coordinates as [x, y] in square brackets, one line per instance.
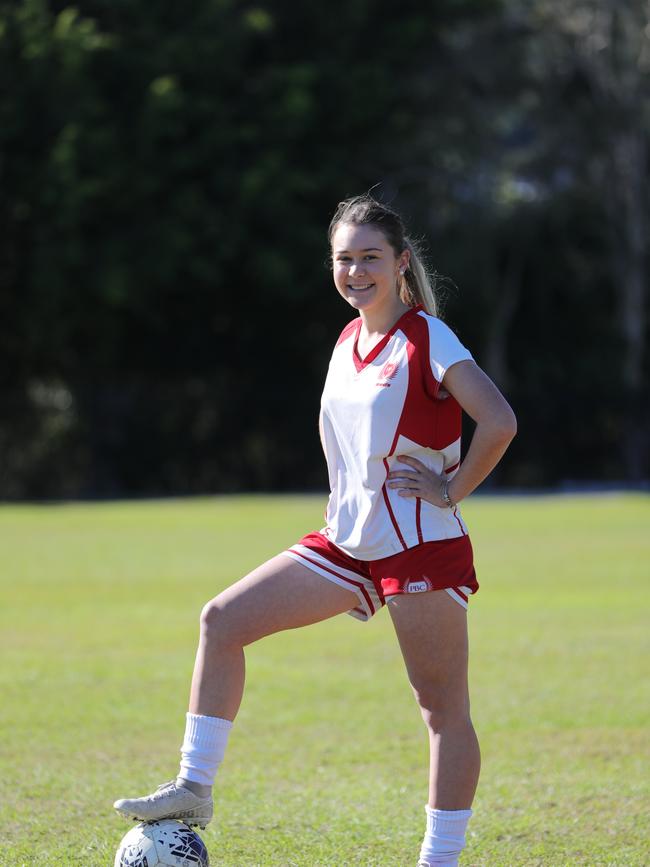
[338, 575]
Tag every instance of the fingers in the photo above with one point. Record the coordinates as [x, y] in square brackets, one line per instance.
[414, 480]
[407, 483]
[403, 474]
[404, 485]
[412, 462]
[406, 488]
[407, 480]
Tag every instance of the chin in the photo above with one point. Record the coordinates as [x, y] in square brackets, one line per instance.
[359, 303]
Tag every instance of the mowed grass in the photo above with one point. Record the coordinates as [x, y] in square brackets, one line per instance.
[327, 761]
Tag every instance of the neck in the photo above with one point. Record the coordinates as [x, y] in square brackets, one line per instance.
[381, 321]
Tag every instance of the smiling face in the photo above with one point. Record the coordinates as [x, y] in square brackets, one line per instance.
[366, 269]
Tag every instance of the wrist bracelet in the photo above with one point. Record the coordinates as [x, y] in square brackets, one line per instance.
[445, 494]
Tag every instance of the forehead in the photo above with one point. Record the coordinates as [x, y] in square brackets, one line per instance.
[351, 237]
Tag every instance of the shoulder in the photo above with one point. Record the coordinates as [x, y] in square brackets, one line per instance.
[423, 329]
[435, 340]
[349, 331]
[434, 326]
[439, 334]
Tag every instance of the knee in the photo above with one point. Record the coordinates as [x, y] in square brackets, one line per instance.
[442, 706]
[216, 625]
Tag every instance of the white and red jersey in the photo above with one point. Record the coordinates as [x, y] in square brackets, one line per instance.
[376, 408]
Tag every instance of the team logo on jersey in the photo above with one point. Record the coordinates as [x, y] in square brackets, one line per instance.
[419, 586]
[387, 373]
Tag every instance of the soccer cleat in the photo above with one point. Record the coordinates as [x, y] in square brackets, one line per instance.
[169, 801]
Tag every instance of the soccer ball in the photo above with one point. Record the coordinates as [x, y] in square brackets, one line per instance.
[168, 843]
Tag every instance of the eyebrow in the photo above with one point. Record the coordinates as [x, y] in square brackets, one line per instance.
[365, 250]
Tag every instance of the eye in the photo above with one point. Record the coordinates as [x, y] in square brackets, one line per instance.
[370, 256]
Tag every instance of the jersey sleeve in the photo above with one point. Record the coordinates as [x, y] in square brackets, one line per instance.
[445, 349]
[349, 331]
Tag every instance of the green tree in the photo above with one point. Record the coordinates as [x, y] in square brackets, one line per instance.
[167, 173]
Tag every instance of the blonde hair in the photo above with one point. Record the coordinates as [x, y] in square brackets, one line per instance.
[416, 286]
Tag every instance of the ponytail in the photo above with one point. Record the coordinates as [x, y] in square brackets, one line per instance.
[417, 286]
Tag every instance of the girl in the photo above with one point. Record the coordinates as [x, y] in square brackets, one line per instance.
[390, 427]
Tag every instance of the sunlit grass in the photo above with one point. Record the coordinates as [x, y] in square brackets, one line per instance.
[327, 761]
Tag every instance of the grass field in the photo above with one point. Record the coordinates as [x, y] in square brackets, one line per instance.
[327, 761]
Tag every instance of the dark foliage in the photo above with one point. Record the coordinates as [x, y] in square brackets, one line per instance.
[167, 174]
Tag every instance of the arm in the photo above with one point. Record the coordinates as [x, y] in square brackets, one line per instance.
[496, 426]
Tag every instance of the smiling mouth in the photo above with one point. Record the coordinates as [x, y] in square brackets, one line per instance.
[360, 287]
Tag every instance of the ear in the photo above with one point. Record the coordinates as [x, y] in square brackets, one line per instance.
[403, 261]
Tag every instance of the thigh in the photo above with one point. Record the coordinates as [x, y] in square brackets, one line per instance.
[432, 632]
[280, 594]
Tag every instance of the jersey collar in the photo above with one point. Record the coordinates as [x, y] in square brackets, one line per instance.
[361, 363]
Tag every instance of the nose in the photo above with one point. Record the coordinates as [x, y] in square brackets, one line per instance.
[355, 268]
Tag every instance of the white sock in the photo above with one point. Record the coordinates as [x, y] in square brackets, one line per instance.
[445, 837]
[203, 747]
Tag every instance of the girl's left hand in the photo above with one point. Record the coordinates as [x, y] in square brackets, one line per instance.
[417, 481]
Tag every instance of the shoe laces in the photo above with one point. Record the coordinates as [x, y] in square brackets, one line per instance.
[163, 789]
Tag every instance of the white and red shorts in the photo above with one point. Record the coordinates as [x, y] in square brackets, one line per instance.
[444, 565]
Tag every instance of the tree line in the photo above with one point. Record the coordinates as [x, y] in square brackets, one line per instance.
[167, 174]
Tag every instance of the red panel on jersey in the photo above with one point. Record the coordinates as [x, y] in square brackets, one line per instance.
[426, 419]
[355, 324]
